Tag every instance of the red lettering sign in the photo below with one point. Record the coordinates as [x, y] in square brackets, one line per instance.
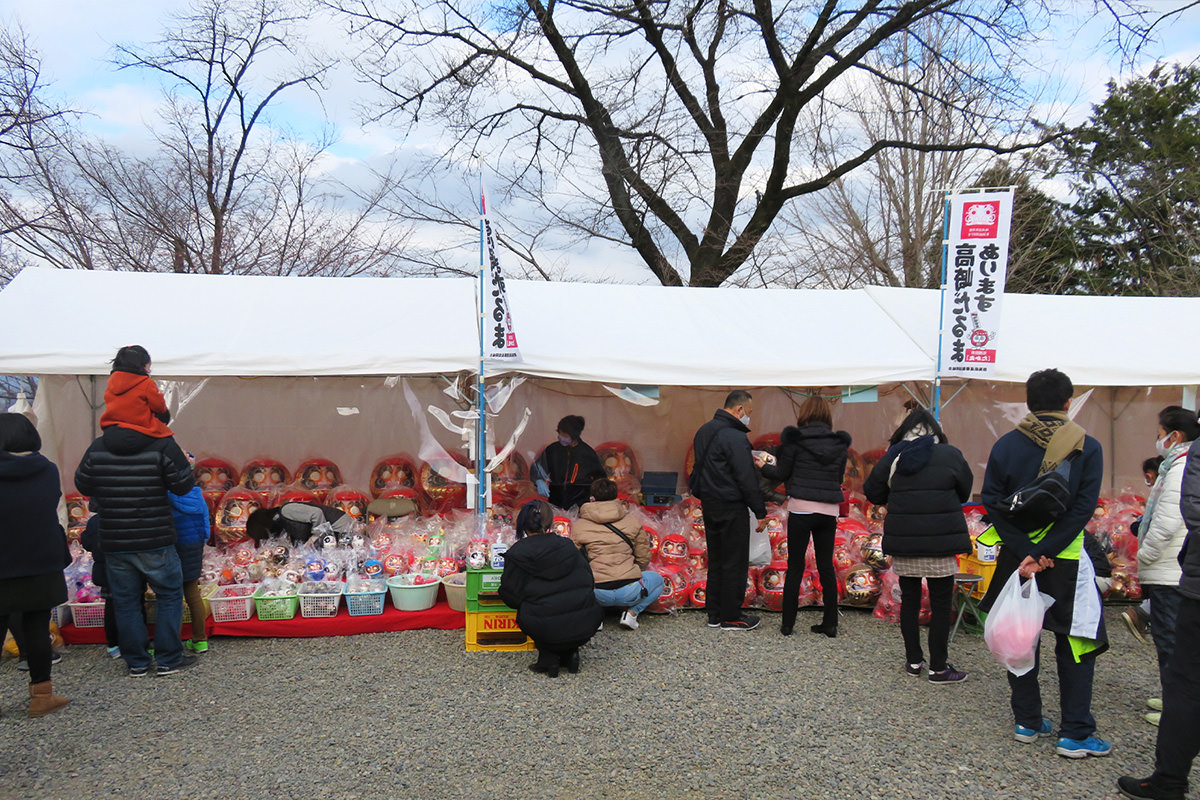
[981, 220]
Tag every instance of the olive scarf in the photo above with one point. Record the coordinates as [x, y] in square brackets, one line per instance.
[1055, 433]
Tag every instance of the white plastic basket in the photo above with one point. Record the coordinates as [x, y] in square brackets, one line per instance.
[237, 608]
[314, 603]
[88, 615]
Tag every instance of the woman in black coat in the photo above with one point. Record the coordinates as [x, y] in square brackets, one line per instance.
[33, 552]
[811, 460]
[923, 481]
[548, 581]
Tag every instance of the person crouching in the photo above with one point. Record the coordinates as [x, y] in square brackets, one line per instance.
[548, 581]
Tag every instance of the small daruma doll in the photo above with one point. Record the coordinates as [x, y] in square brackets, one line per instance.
[233, 509]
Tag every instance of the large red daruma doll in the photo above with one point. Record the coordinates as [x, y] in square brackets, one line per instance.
[676, 581]
[215, 477]
[262, 475]
[350, 501]
[233, 509]
[770, 584]
[319, 476]
[618, 460]
[295, 493]
[444, 493]
[393, 472]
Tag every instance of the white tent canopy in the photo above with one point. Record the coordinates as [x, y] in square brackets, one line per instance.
[71, 322]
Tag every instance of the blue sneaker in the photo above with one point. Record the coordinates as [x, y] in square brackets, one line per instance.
[114, 652]
[1027, 735]
[1082, 748]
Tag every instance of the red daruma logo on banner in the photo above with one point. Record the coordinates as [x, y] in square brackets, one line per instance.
[981, 220]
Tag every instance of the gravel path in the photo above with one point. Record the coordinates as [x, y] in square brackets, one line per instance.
[674, 710]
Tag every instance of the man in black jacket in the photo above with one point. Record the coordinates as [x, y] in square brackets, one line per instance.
[130, 474]
[726, 483]
[1178, 734]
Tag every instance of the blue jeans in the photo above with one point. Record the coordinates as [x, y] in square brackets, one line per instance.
[126, 574]
[630, 595]
[1074, 692]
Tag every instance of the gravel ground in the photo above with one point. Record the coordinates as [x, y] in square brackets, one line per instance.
[674, 710]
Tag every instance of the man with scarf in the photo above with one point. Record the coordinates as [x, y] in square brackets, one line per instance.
[1054, 554]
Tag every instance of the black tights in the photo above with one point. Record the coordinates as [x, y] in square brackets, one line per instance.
[31, 629]
[941, 596]
[821, 528]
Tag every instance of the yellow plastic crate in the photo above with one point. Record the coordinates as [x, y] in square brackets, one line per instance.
[974, 566]
[496, 630]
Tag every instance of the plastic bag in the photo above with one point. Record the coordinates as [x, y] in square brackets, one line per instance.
[1014, 625]
[760, 544]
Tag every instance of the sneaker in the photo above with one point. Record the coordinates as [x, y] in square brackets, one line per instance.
[1146, 790]
[114, 652]
[746, 622]
[914, 669]
[202, 647]
[1082, 748]
[947, 675]
[629, 620]
[1154, 704]
[1154, 717]
[714, 622]
[186, 662]
[600, 628]
[1027, 735]
[138, 672]
[23, 665]
[1135, 623]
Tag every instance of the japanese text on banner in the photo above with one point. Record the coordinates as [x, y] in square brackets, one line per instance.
[977, 262]
[500, 338]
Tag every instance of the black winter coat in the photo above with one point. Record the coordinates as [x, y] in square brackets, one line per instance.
[130, 474]
[724, 468]
[811, 461]
[924, 502]
[569, 472]
[548, 581]
[32, 541]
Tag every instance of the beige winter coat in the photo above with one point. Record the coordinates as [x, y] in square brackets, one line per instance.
[609, 556]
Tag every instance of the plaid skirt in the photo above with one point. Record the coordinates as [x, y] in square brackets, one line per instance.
[924, 566]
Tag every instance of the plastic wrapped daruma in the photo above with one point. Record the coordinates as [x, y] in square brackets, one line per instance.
[561, 526]
[77, 515]
[319, 476]
[444, 492]
[293, 493]
[673, 549]
[215, 477]
[676, 580]
[350, 500]
[618, 460]
[862, 586]
[264, 474]
[233, 509]
[394, 472]
[511, 478]
[770, 584]
[698, 591]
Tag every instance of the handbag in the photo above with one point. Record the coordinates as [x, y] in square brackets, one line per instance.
[1041, 501]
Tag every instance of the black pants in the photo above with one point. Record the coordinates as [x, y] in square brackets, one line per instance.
[1178, 731]
[821, 528]
[31, 629]
[941, 599]
[727, 529]
[1074, 692]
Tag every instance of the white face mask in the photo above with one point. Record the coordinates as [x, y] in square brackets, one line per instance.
[1163, 445]
[745, 420]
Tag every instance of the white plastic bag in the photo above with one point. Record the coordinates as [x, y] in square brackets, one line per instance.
[1014, 624]
[760, 544]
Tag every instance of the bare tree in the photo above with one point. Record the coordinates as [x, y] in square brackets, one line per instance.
[678, 130]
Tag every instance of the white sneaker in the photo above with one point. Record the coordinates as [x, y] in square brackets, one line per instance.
[629, 620]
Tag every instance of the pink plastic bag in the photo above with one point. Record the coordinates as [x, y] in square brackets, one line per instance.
[1014, 624]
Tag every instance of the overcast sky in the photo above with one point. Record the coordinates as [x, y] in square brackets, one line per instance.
[75, 39]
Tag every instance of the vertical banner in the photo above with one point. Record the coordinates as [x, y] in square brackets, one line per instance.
[977, 261]
[499, 338]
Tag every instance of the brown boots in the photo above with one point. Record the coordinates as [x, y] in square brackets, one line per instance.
[43, 701]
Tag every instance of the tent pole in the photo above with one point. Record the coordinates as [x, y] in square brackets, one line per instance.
[937, 376]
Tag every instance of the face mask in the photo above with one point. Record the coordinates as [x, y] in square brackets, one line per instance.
[745, 420]
[1162, 445]
[565, 441]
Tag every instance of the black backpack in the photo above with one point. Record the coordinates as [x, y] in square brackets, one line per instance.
[1041, 501]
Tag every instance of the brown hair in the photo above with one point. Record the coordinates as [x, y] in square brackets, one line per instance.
[814, 409]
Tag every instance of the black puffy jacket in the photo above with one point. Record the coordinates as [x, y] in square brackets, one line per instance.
[548, 581]
[130, 474]
[724, 469]
[924, 501]
[811, 462]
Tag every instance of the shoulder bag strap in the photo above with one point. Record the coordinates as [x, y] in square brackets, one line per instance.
[620, 533]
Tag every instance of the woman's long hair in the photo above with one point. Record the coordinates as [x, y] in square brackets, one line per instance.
[918, 417]
[814, 409]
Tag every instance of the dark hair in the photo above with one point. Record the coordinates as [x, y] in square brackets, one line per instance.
[1048, 390]
[736, 398]
[603, 489]
[1152, 464]
[258, 524]
[917, 417]
[132, 358]
[17, 434]
[814, 409]
[571, 425]
[1178, 418]
[534, 517]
